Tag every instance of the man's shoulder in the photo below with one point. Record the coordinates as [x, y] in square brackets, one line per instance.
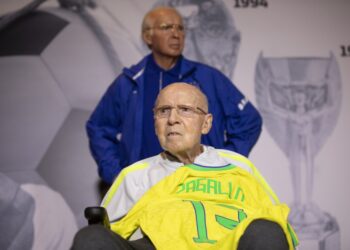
[188, 63]
[220, 157]
[229, 153]
[123, 83]
[236, 159]
[133, 71]
[140, 166]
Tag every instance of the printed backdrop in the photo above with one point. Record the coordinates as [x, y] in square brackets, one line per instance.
[290, 58]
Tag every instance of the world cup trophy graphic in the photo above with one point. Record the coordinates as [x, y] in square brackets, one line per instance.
[299, 99]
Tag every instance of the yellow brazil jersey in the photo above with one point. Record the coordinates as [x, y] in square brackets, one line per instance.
[200, 207]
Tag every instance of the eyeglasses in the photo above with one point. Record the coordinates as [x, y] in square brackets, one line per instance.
[169, 27]
[182, 110]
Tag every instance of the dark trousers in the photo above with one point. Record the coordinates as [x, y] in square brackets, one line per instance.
[263, 235]
[97, 237]
[259, 235]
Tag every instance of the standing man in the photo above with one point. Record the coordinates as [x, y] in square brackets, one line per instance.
[121, 129]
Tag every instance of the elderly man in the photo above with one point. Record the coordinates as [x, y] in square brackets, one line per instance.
[120, 130]
[190, 196]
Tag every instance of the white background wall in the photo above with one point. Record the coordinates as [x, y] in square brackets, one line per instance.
[286, 28]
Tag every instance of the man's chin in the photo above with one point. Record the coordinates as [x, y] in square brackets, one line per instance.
[174, 148]
[175, 52]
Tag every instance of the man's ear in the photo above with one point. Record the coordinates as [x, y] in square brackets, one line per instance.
[206, 126]
[147, 37]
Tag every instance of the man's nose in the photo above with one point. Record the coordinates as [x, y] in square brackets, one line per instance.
[173, 116]
[176, 30]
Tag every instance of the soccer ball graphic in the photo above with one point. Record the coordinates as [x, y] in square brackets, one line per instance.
[53, 71]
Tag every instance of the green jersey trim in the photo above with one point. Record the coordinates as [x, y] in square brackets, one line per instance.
[210, 168]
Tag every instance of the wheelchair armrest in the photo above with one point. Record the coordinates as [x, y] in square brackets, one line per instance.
[97, 215]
